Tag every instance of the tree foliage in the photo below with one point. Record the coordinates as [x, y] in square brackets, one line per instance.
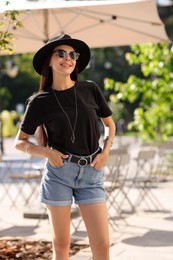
[25, 83]
[153, 118]
[6, 38]
[6, 46]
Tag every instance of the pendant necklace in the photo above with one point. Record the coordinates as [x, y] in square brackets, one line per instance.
[68, 119]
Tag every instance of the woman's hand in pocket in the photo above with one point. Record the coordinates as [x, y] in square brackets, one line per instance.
[55, 158]
[99, 161]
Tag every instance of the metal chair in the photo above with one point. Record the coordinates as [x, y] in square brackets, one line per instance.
[165, 160]
[7, 168]
[145, 180]
[115, 174]
[27, 180]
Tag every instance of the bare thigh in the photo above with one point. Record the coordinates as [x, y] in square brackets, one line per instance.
[59, 217]
[96, 221]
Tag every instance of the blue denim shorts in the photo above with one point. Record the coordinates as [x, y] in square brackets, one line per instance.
[71, 183]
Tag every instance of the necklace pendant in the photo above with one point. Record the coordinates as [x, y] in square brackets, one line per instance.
[73, 138]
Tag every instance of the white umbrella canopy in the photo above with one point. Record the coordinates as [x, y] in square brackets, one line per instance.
[99, 23]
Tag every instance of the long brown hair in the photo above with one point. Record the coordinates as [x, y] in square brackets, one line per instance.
[46, 80]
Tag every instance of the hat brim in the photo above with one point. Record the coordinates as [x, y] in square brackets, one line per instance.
[78, 45]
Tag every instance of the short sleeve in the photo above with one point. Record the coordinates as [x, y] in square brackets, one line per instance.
[32, 117]
[103, 108]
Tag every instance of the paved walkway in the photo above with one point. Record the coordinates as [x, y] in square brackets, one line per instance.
[147, 235]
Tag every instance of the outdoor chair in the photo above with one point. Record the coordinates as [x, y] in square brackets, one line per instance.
[115, 172]
[27, 179]
[8, 190]
[145, 180]
[165, 160]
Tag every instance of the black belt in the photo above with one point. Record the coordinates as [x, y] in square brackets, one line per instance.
[83, 160]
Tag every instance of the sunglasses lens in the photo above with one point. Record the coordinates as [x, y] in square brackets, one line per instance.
[74, 55]
[61, 53]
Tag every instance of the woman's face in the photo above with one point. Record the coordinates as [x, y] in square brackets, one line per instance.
[63, 61]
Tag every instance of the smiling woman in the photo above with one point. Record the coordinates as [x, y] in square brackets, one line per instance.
[68, 110]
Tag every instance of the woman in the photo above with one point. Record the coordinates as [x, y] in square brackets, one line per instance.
[69, 112]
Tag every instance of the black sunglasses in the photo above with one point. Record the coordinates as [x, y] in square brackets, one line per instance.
[63, 54]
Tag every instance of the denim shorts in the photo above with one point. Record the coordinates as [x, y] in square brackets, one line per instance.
[71, 183]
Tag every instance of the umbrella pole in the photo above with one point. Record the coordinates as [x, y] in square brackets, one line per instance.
[46, 25]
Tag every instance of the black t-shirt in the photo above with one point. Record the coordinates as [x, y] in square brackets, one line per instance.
[43, 109]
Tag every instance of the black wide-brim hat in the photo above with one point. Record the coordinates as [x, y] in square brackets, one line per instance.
[78, 45]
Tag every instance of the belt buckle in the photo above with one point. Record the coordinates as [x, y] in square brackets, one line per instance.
[85, 162]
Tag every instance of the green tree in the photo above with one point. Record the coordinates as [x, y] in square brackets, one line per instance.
[25, 83]
[6, 46]
[153, 118]
[6, 38]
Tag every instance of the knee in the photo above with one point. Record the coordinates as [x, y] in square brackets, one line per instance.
[61, 247]
[101, 250]
[103, 245]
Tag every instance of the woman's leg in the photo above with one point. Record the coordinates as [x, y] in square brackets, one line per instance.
[59, 217]
[96, 221]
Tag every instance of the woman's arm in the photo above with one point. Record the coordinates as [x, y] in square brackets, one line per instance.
[108, 141]
[23, 144]
[100, 159]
